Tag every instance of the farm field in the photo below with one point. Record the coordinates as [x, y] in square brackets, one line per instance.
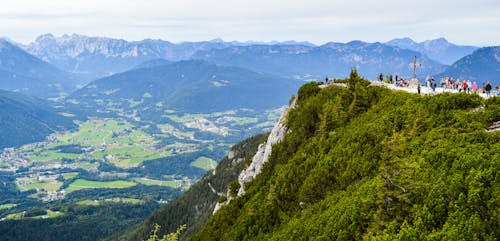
[80, 184]
[204, 163]
[7, 206]
[97, 202]
[146, 181]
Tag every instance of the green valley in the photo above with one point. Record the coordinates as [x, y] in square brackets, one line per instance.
[117, 162]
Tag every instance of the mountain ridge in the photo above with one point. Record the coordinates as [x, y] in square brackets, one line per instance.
[332, 59]
[96, 57]
[192, 85]
[23, 72]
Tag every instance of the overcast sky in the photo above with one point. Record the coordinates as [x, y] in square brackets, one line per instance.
[318, 21]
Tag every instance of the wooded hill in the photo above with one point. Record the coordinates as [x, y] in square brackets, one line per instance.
[190, 86]
[368, 163]
[25, 119]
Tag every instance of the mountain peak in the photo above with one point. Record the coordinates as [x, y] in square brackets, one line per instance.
[439, 42]
[403, 42]
[442, 39]
[357, 42]
[45, 37]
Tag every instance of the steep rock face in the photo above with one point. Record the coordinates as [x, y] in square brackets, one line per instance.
[260, 158]
[264, 151]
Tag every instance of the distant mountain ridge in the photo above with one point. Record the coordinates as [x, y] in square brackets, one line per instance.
[438, 49]
[332, 59]
[22, 72]
[101, 56]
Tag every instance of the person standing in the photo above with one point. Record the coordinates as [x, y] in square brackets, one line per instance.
[487, 88]
[469, 85]
[433, 84]
[474, 87]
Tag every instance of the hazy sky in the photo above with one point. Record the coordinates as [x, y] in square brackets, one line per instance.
[318, 21]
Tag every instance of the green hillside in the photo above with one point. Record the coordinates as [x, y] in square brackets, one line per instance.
[367, 163]
[196, 205]
[188, 86]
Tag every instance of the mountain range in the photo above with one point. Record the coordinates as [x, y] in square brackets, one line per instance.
[95, 57]
[99, 56]
[437, 49]
[333, 59]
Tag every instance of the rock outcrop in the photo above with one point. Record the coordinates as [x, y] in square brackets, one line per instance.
[262, 156]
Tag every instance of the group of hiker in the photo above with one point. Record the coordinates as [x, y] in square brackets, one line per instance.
[398, 81]
[447, 84]
[467, 86]
[458, 85]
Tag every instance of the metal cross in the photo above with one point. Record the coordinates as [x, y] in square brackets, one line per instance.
[415, 65]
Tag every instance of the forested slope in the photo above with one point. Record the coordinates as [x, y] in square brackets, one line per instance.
[368, 163]
[25, 119]
[196, 205]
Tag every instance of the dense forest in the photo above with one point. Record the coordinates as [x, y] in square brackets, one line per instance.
[368, 163]
[81, 221]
